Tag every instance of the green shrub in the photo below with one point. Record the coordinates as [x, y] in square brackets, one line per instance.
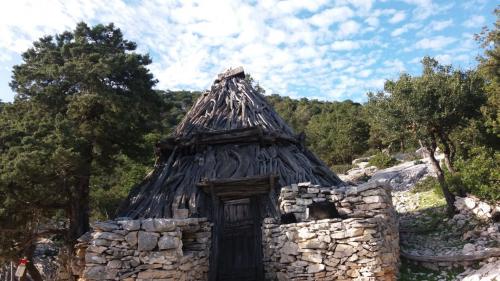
[480, 173]
[341, 168]
[429, 183]
[382, 160]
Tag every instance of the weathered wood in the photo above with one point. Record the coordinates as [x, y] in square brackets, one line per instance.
[231, 132]
[453, 258]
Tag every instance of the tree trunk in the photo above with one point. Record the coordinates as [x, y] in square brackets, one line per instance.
[30, 266]
[79, 210]
[449, 197]
[448, 152]
[33, 271]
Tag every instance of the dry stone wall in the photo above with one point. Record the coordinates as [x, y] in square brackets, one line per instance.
[364, 246]
[149, 249]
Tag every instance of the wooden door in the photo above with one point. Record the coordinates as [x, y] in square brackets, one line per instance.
[240, 249]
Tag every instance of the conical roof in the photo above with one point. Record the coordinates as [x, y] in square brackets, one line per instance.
[231, 103]
[231, 132]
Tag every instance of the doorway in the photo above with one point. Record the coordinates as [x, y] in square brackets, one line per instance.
[240, 248]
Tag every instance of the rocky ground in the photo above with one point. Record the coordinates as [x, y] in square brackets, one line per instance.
[426, 231]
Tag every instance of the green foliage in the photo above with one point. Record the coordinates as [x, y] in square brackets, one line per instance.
[387, 127]
[427, 184]
[480, 173]
[489, 68]
[341, 168]
[83, 98]
[339, 133]
[336, 131]
[382, 160]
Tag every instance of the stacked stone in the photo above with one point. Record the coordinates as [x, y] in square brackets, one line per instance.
[149, 249]
[365, 246]
[296, 197]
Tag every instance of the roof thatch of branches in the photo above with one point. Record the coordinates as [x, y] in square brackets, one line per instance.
[231, 132]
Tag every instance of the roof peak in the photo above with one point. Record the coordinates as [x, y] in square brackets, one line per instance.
[231, 72]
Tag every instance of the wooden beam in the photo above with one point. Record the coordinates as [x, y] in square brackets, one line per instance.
[253, 134]
[453, 258]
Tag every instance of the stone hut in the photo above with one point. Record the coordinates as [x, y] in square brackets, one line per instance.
[236, 195]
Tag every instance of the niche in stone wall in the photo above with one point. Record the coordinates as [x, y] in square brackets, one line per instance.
[322, 210]
[189, 242]
[194, 241]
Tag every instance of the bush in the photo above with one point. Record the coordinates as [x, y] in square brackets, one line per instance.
[382, 160]
[429, 183]
[480, 173]
[341, 168]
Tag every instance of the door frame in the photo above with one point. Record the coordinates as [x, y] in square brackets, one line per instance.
[257, 188]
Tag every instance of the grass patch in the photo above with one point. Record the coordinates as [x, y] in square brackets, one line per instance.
[427, 184]
[412, 272]
[341, 168]
[431, 199]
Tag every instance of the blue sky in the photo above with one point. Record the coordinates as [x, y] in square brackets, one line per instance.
[328, 50]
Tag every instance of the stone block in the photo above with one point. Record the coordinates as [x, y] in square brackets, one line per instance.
[94, 258]
[304, 202]
[312, 244]
[181, 213]
[158, 225]
[290, 248]
[352, 232]
[96, 249]
[313, 190]
[314, 268]
[131, 238]
[373, 199]
[94, 272]
[304, 233]
[287, 259]
[100, 242]
[107, 236]
[147, 241]
[130, 225]
[104, 226]
[169, 242]
[343, 250]
[114, 264]
[154, 274]
[312, 257]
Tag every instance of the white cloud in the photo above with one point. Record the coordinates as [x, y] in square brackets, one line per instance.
[440, 25]
[372, 21]
[405, 28]
[348, 28]
[436, 43]
[345, 45]
[332, 15]
[427, 8]
[475, 21]
[334, 49]
[397, 17]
